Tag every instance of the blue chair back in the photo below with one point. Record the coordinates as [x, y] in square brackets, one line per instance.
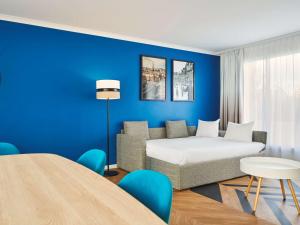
[93, 159]
[8, 149]
[151, 188]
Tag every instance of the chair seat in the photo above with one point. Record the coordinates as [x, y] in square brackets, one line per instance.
[93, 159]
[8, 149]
[152, 188]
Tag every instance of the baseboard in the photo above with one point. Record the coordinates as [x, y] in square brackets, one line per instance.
[112, 166]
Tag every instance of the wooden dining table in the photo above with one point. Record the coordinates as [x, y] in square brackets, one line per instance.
[38, 189]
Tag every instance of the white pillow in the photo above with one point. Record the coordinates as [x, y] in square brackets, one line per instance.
[208, 128]
[239, 132]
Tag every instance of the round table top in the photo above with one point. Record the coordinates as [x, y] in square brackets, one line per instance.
[42, 189]
[271, 167]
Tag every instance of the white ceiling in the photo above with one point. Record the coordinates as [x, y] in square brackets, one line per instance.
[212, 25]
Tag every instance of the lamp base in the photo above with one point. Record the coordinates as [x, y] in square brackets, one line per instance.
[110, 173]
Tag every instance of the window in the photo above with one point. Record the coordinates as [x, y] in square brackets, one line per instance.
[272, 98]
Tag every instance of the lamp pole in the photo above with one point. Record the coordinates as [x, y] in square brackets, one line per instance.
[107, 134]
[108, 173]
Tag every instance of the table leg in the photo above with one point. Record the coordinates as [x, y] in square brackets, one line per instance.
[282, 189]
[249, 186]
[294, 195]
[257, 193]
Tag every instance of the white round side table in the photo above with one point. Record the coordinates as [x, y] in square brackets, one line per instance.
[272, 168]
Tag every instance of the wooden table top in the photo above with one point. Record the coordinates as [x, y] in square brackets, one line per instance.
[38, 189]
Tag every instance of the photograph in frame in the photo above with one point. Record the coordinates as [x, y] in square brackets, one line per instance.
[182, 80]
[153, 78]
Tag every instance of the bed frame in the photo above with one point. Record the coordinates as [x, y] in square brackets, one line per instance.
[131, 155]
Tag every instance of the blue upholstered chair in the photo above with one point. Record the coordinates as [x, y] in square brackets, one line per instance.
[8, 149]
[151, 188]
[93, 159]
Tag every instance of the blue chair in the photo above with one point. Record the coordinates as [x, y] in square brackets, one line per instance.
[93, 159]
[8, 149]
[151, 188]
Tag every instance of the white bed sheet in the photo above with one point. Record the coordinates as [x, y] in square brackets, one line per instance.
[191, 150]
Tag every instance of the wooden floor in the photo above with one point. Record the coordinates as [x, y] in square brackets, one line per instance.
[271, 205]
[190, 208]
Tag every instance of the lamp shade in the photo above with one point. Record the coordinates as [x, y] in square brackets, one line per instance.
[108, 89]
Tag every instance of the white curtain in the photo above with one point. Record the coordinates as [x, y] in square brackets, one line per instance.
[231, 87]
[271, 93]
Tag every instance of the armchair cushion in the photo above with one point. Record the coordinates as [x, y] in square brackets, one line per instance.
[137, 128]
[176, 129]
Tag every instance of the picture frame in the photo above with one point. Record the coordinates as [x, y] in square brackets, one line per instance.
[153, 76]
[183, 80]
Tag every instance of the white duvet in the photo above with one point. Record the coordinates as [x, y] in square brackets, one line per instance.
[191, 150]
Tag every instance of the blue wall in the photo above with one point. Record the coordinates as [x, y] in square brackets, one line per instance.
[47, 89]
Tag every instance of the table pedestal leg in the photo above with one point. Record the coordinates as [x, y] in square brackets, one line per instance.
[249, 186]
[257, 193]
[294, 195]
[282, 189]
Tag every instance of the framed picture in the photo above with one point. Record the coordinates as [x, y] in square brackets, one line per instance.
[153, 78]
[182, 80]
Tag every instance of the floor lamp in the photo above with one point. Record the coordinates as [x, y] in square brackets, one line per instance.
[108, 90]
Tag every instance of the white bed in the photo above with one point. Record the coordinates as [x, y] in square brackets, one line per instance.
[192, 150]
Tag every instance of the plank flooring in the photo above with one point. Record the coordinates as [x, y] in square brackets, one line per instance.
[190, 208]
[271, 205]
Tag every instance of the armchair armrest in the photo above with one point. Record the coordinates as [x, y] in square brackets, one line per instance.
[260, 136]
[131, 152]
